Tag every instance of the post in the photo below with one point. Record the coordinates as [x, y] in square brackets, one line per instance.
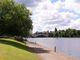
[55, 49]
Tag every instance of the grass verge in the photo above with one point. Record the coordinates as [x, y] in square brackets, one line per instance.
[11, 49]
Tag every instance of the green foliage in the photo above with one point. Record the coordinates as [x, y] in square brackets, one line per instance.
[50, 34]
[62, 33]
[65, 33]
[14, 19]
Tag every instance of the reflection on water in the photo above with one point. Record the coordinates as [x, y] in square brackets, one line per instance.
[70, 46]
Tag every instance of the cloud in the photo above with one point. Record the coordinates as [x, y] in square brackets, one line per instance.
[48, 14]
[78, 1]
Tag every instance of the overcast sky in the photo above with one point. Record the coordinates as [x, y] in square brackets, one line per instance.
[48, 14]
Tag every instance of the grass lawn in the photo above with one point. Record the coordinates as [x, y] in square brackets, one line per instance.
[11, 49]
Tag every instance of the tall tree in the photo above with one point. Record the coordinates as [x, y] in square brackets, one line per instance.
[14, 19]
[56, 33]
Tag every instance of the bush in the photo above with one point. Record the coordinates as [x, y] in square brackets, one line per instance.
[19, 38]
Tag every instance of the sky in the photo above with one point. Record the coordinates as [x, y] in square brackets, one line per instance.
[48, 14]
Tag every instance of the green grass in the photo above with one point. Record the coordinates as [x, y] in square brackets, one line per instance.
[11, 49]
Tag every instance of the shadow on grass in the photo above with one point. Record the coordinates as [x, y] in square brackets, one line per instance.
[21, 46]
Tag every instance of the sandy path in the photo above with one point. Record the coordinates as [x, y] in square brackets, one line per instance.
[46, 54]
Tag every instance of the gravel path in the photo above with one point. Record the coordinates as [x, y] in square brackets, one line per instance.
[46, 54]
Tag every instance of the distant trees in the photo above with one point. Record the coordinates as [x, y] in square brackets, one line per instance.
[63, 33]
[50, 34]
[14, 19]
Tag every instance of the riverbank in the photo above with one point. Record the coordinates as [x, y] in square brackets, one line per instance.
[47, 54]
[69, 46]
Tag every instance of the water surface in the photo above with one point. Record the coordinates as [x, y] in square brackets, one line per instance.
[69, 46]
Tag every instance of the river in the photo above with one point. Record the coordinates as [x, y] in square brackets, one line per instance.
[69, 46]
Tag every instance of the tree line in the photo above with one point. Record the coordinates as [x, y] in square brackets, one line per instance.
[64, 33]
[61, 33]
